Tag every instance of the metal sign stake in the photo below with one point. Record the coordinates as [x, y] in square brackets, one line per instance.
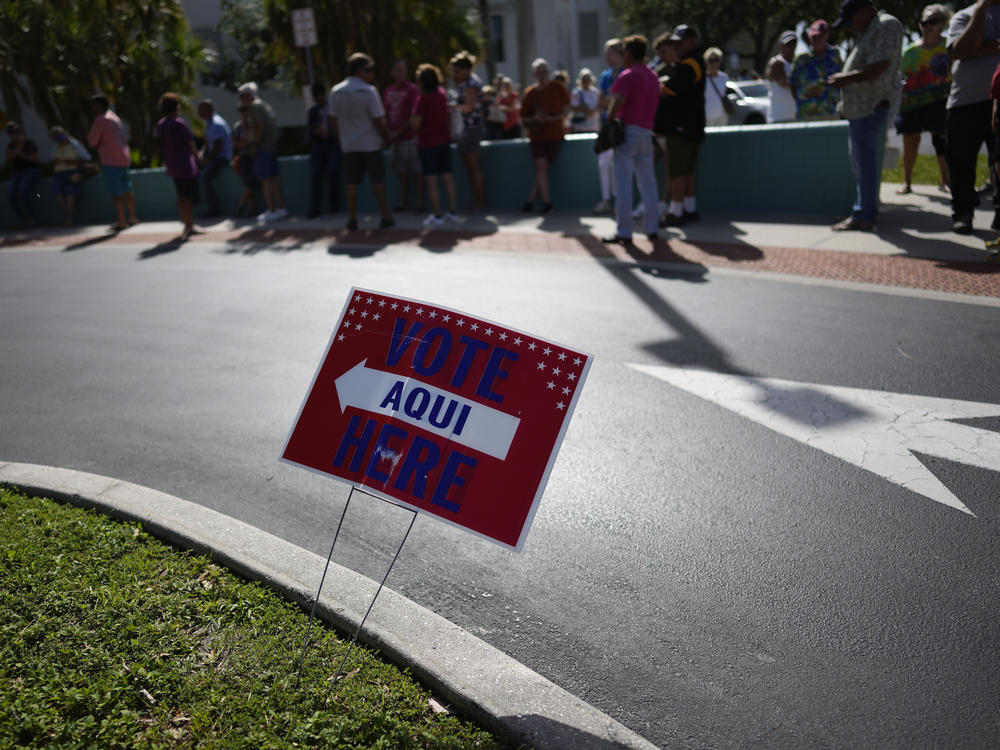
[312, 611]
[357, 632]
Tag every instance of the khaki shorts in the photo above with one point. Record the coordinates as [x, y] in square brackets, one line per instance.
[683, 154]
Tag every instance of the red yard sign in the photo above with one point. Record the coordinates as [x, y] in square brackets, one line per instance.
[444, 412]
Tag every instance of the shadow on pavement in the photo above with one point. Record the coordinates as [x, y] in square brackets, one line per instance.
[95, 240]
[162, 249]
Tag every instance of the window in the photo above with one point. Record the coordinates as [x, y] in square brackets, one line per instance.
[496, 38]
[588, 27]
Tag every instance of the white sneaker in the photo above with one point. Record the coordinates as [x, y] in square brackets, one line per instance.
[452, 217]
[433, 221]
[266, 216]
[664, 209]
[604, 207]
[281, 213]
[638, 212]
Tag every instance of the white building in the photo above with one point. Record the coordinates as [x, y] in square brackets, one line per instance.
[570, 34]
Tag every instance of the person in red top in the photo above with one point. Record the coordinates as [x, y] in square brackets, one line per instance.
[399, 99]
[430, 121]
[634, 99]
[543, 109]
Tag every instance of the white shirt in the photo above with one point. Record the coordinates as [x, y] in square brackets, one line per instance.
[356, 105]
[713, 100]
[782, 102]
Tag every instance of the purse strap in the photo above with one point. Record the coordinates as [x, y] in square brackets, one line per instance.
[714, 86]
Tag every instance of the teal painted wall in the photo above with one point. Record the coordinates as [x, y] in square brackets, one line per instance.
[797, 168]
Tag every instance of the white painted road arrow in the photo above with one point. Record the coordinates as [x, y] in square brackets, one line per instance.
[874, 430]
[472, 424]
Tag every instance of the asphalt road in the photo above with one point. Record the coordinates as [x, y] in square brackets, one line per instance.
[704, 579]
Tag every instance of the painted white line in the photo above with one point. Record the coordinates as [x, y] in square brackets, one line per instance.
[874, 430]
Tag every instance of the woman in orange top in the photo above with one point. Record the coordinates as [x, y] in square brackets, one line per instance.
[543, 110]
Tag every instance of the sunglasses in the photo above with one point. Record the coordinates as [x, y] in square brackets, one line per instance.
[715, 59]
[932, 21]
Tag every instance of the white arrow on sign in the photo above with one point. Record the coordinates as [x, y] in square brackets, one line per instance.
[433, 409]
[875, 430]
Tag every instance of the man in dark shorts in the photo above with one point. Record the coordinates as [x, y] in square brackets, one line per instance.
[357, 117]
[684, 100]
[543, 111]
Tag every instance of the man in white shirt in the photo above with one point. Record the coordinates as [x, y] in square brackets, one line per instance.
[357, 116]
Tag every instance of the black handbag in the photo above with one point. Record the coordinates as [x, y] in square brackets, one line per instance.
[611, 135]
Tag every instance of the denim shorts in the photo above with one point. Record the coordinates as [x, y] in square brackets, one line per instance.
[265, 165]
[436, 159]
[118, 180]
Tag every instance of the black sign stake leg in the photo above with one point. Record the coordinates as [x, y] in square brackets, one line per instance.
[312, 612]
[357, 632]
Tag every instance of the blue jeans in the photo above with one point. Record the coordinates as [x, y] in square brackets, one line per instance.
[211, 171]
[635, 157]
[865, 136]
[21, 190]
[324, 166]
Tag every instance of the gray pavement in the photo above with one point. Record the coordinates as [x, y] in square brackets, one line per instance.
[475, 678]
[463, 671]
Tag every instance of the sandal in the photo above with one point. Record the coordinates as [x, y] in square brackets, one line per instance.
[905, 190]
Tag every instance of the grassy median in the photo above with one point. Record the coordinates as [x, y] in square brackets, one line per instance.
[111, 638]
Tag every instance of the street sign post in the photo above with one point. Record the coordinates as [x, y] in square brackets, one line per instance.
[304, 32]
[446, 413]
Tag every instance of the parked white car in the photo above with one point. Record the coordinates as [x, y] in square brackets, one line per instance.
[751, 100]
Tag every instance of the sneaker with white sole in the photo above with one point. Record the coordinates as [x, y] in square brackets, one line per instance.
[266, 216]
[433, 221]
[281, 213]
[452, 217]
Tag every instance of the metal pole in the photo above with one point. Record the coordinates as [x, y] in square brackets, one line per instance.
[312, 611]
[357, 632]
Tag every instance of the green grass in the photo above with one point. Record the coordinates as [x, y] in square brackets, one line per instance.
[110, 638]
[925, 171]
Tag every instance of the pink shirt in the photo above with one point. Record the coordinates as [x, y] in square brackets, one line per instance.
[641, 89]
[399, 100]
[108, 136]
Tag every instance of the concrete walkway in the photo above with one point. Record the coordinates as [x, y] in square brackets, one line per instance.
[914, 247]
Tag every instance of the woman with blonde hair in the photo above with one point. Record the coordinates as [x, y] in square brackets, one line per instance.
[583, 102]
[715, 89]
[614, 55]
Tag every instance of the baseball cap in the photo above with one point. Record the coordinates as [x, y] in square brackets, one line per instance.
[819, 27]
[683, 32]
[787, 37]
[847, 10]
[248, 88]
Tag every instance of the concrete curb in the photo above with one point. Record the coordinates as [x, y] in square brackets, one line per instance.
[482, 682]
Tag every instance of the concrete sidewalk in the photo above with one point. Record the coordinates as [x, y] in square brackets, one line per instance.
[463, 671]
[914, 247]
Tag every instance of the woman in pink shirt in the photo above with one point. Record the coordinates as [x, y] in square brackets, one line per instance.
[108, 136]
[634, 98]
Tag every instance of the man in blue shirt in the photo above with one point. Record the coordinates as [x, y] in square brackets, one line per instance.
[215, 155]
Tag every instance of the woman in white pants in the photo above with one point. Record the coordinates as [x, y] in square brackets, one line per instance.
[614, 54]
